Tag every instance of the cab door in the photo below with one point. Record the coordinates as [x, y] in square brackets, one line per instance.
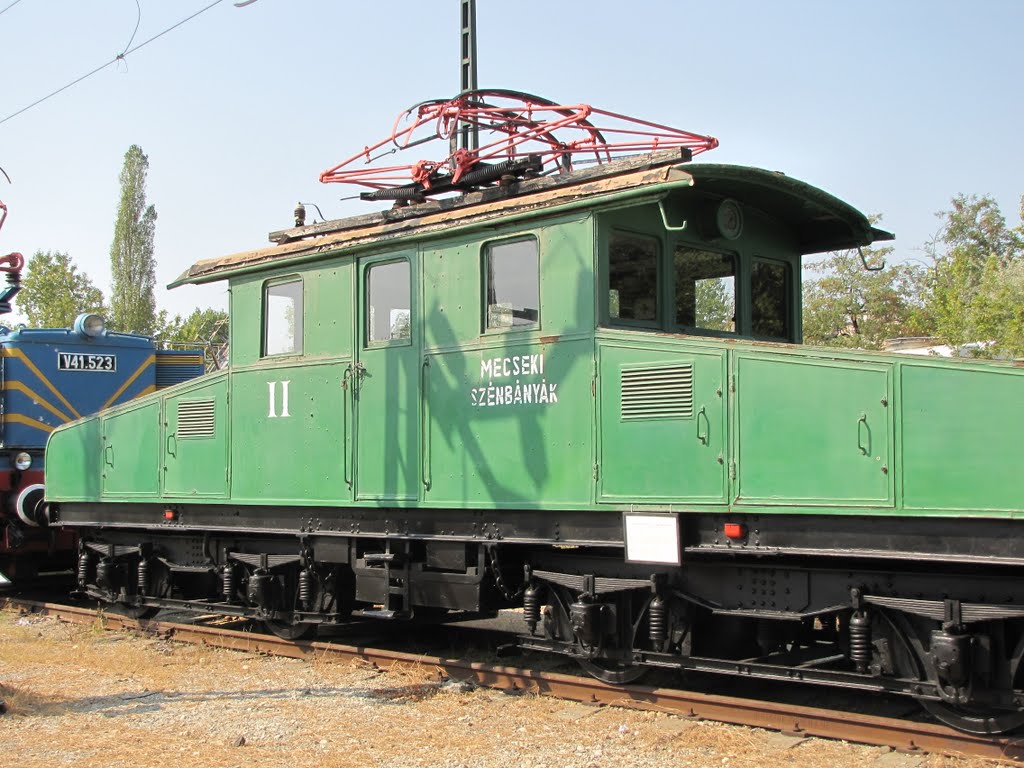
[386, 381]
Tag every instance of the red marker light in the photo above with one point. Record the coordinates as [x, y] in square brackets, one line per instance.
[170, 514]
[735, 530]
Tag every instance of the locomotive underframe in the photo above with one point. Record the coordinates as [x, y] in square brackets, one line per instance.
[946, 628]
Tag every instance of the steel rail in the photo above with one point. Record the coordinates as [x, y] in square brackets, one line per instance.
[902, 735]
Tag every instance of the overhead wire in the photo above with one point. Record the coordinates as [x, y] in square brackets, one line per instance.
[5, 10]
[138, 20]
[119, 57]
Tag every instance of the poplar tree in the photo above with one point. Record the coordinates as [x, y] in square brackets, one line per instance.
[132, 265]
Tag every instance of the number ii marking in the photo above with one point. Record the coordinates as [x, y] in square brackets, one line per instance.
[272, 397]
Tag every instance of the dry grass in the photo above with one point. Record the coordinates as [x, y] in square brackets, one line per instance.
[85, 697]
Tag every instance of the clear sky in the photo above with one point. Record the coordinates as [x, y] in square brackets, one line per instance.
[893, 106]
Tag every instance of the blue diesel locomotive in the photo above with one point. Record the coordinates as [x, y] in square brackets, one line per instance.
[51, 376]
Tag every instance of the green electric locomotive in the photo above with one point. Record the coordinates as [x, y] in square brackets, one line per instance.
[584, 394]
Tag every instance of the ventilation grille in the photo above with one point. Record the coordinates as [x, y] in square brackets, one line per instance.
[657, 393]
[196, 418]
[174, 366]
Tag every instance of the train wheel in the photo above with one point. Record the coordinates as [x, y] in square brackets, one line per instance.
[290, 631]
[611, 672]
[910, 657]
[606, 670]
[974, 719]
[981, 720]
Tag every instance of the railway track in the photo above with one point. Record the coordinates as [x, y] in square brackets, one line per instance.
[902, 735]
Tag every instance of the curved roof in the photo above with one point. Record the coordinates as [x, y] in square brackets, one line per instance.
[823, 222]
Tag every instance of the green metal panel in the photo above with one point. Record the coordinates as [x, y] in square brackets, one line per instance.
[453, 282]
[131, 440]
[387, 397]
[289, 427]
[451, 300]
[663, 423]
[961, 437]
[196, 435]
[813, 430]
[73, 458]
[510, 425]
[327, 302]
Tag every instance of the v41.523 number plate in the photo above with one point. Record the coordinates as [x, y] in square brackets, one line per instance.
[80, 361]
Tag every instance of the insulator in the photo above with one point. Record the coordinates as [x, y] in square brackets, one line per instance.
[143, 576]
[305, 588]
[531, 607]
[84, 564]
[227, 583]
[860, 641]
[657, 617]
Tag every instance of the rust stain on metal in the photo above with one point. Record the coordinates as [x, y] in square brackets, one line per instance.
[431, 222]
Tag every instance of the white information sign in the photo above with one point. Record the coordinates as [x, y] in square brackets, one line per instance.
[652, 538]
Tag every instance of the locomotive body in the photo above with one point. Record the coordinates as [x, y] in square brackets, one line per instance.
[52, 376]
[583, 395]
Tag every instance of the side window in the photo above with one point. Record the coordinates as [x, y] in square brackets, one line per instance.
[512, 284]
[388, 308]
[770, 300]
[705, 290]
[632, 278]
[282, 318]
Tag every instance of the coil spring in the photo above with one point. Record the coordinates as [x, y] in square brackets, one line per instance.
[227, 582]
[496, 171]
[531, 607]
[84, 561]
[143, 576]
[401, 194]
[305, 587]
[657, 617]
[860, 640]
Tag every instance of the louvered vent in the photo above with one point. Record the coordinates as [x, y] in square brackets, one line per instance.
[657, 393]
[196, 418]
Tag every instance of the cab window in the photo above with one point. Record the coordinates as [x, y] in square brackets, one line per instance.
[705, 289]
[633, 279]
[388, 306]
[282, 318]
[512, 284]
[770, 300]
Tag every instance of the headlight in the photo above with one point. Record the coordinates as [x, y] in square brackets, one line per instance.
[89, 324]
[22, 461]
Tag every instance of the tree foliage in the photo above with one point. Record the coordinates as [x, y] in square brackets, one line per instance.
[977, 287]
[206, 328]
[54, 292]
[846, 305]
[132, 264]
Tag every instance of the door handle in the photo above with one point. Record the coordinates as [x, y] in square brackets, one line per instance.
[703, 435]
[425, 425]
[108, 456]
[863, 429]
[346, 379]
[172, 445]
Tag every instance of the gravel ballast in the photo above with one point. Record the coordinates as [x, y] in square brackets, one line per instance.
[84, 696]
